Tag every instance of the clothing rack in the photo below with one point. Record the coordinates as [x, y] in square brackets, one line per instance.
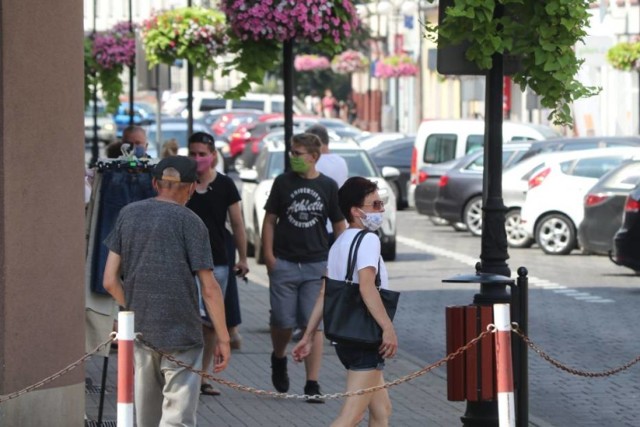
[130, 165]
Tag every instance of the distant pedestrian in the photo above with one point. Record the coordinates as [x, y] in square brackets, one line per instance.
[329, 104]
[169, 148]
[215, 200]
[295, 246]
[136, 137]
[362, 206]
[155, 249]
[332, 165]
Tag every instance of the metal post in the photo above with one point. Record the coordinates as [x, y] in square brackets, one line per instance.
[521, 359]
[287, 78]
[126, 379]
[189, 94]
[493, 244]
[103, 388]
[94, 145]
[131, 67]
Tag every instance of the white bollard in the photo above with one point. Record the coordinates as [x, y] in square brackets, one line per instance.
[504, 366]
[125, 368]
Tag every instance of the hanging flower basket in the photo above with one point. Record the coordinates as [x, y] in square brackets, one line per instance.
[395, 66]
[349, 61]
[311, 63]
[193, 34]
[625, 56]
[106, 54]
[327, 23]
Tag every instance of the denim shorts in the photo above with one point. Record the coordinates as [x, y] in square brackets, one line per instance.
[359, 359]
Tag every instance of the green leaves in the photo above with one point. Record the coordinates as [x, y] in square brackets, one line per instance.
[625, 56]
[541, 33]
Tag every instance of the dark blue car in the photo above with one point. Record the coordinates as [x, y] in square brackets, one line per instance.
[143, 114]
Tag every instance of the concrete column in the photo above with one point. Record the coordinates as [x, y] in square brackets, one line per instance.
[41, 210]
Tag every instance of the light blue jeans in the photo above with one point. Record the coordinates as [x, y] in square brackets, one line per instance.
[221, 273]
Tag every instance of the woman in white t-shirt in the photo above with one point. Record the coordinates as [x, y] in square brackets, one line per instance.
[361, 205]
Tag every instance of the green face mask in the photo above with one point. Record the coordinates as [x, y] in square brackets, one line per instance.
[298, 165]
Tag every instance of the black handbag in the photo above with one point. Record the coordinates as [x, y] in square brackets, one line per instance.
[346, 317]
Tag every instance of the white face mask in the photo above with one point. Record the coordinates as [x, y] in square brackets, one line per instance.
[372, 220]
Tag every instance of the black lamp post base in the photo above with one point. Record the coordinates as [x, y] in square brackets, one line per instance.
[481, 414]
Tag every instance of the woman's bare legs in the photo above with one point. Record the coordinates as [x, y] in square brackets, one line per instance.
[378, 403]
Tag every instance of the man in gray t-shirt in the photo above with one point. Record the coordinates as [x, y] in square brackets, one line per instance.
[155, 249]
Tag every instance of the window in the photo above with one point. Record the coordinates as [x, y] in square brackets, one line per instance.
[440, 148]
[474, 143]
[595, 167]
[208, 104]
[244, 103]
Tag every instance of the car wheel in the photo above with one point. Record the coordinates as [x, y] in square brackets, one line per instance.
[257, 243]
[458, 226]
[516, 236]
[398, 195]
[556, 234]
[472, 215]
[438, 221]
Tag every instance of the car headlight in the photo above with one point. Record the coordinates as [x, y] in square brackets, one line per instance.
[109, 127]
[384, 194]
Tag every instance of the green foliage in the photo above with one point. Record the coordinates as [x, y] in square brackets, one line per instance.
[194, 34]
[625, 56]
[542, 34]
[252, 58]
[106, 79]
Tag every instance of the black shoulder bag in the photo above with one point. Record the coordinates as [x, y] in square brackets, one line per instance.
[346, 317]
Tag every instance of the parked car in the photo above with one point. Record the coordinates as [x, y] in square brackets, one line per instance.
[604, 206]
[626, 242]
[459, 190]
[143, 114]
[368, 140]
[257, 182]
[204, 102]
[106, 125]
[438, 141]
[582, 143]
[396, 153]
[553, 208]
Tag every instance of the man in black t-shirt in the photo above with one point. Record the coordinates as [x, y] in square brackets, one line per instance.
[216, 198]
[296, 245]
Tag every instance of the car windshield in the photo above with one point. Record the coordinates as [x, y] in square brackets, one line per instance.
[179, 135]
[358, 163]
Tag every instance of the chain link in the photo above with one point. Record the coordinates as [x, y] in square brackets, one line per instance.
[561, 366]
[60, 373]
[239, 387]
[259, 392]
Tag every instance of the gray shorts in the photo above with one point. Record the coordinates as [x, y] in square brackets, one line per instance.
[293, 291]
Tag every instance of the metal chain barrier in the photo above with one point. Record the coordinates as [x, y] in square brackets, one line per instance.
[515, 328]
[63, 371]
[490, 329]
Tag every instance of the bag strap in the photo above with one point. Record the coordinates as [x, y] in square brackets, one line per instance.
[353, 255]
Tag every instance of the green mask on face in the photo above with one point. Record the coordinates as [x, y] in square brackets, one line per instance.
[298, 165]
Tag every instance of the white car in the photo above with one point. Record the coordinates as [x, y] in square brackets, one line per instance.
[257, 182]
[553, 208]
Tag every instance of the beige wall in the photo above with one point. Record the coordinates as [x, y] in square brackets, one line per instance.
[41, 209]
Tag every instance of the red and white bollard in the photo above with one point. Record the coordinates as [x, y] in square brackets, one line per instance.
[504, 366]
[125, 368]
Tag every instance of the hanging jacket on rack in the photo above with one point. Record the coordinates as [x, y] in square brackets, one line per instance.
[122, 182]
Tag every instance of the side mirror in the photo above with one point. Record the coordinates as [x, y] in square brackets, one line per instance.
[248, 175]
[389, 172]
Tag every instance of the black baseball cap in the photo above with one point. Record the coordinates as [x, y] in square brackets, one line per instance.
[203, 138]
[184, 166]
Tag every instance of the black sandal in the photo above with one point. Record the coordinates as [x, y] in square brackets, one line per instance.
[209, 390]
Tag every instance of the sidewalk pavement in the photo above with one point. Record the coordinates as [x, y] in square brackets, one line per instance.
[420, 402]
